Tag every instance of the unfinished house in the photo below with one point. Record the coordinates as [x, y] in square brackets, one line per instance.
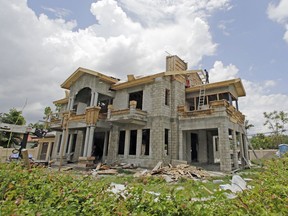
[173, 116]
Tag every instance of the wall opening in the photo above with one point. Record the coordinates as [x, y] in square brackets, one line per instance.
[194, 147]
[133, 142]
[138, 97]
[121, 143]
[98, 147]
[166, 141]
[145, 142]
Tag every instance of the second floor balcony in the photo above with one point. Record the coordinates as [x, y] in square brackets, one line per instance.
[130, 115]
[215, 108]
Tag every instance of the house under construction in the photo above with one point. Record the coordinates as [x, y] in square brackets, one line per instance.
[170, 116]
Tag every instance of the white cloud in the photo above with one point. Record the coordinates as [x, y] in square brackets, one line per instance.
[258, 101]
[279, 13]
[39, 53]
[258, 98]
[58, 12]
[219, 72]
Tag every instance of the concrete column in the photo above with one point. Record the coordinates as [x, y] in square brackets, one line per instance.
[139, 143]
[95, 100]
[86, 142]
[224, 147]
[70, 145]
[181, 143]
[48, 151]
[91, 139]
[62, 141]
[92, 98]
[235, 153]
[241, 150]
[127, 143]
[237, 106]
[202, 151]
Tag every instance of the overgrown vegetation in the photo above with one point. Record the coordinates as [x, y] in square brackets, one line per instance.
[42, 191]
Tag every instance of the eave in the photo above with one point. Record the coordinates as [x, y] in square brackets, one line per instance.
[137, 81]
[80, 71]
[61, 101]
[237, 83]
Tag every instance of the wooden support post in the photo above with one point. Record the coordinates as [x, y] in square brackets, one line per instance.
[26, 158]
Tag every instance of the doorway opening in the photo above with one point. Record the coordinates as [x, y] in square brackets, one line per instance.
[194, 147]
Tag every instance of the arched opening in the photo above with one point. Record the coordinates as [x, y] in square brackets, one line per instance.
[82, 100]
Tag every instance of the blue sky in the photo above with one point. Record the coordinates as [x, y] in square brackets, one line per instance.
[44, 41]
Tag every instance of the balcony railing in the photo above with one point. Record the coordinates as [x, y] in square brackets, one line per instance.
[214, 108]
[130, 115]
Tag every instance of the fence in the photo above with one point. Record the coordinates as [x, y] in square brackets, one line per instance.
[6, 152]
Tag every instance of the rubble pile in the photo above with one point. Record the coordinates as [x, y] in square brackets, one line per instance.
[171, 174]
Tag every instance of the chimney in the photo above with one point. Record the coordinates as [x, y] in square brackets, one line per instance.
[130, 77]
[174, 63]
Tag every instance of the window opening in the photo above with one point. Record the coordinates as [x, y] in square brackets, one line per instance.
[138, 97]
[166, 141]
[167, 97]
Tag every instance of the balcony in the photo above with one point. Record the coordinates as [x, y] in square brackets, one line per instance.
[60, 120]
[127, 116]
[215, 108]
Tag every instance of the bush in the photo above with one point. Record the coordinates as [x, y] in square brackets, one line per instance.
[42, 191]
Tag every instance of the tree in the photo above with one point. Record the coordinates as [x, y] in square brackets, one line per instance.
[248, 125]
[276, 121]
[13, 117]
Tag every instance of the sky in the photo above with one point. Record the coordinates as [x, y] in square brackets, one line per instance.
[44, 41]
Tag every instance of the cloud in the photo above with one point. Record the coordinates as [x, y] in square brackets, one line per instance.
[258, 98]
[58, 12]
[279, 13]
[258, 101]
[219, 72]
[38, 53]
[128, 37]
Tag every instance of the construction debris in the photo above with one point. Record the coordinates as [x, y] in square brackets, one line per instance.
[172, 174]
[169, 173]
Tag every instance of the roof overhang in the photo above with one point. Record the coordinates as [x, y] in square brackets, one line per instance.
[236, 83]
[80, 71]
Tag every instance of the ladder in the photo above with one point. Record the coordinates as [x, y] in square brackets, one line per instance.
[202, 91]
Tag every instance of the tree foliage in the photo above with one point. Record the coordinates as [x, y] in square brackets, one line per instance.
[276, 121]
[13, 117]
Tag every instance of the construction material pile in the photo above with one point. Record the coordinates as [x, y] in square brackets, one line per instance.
[169, 173]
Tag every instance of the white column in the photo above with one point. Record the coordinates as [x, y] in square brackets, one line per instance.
[86, 142]
[70, 145]
[62, 141]
[92, 98]
[95, 98]
[127, 143]
[90, 143]
[48, 151]
[139, 142]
